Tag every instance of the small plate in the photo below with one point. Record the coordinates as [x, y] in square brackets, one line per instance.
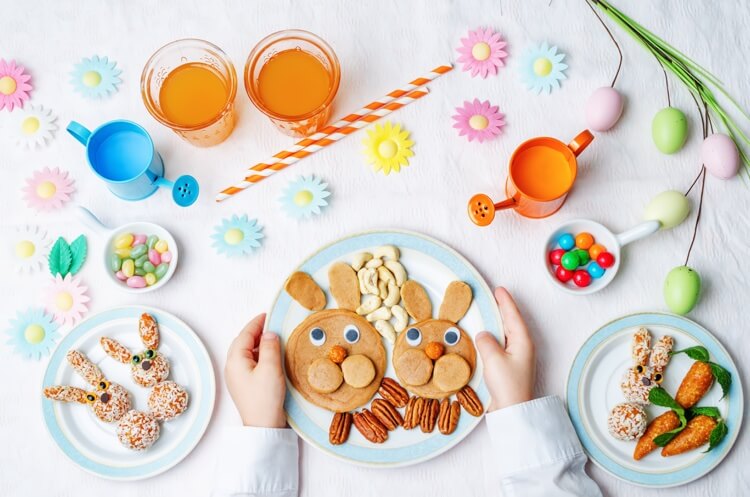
[593, 389]
[91, 443]
[434, 265]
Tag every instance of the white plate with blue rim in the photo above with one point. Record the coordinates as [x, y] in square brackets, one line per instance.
[434, 265]
[593, 389]
[91, 443]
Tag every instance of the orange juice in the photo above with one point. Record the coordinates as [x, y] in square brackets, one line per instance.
[193, 94]
[542, 172]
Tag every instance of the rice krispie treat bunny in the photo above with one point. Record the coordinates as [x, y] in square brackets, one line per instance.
[648, 366]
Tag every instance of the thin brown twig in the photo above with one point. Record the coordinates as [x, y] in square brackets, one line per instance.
[612, 37]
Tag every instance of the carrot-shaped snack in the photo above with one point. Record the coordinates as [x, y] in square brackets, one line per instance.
[661, 424]
[695, 384]
[696, 433]
[722, 376]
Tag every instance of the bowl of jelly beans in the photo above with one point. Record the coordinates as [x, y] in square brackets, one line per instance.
[141, 257]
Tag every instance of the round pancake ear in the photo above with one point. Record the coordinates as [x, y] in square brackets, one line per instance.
[456, 301]
[416, 300]
[344, 286]
[302, 288]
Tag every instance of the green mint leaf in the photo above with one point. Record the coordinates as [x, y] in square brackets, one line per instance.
[667, 437]
[711, 412]
[697, 353]
[60, 258]
[78, 250]
[659, 397]
[723, 377]
[717, 435]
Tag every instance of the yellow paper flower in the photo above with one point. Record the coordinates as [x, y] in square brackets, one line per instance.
[388, 147]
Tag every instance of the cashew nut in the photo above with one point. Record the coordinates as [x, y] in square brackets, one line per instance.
[382, 289]
[386, 330]
[360, 259]
[386, 252]
[373, 263]
[398, 271]
[385, 275]
[361, 278]
[394, 295]
[370, 281]
[380, 313]
[369, 304]
[401, 317]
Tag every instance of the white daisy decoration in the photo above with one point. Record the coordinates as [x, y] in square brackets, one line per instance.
[30, 248]
[34, 126]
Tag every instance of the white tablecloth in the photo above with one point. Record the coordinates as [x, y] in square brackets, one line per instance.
[381, 45]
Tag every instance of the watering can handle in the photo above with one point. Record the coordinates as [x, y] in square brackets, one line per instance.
[90, 220]
[580, 142]
[79, 132]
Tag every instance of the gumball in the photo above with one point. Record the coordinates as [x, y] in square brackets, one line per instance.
[555, 256]
[583, 256]
[581, 278]
[606, 260]
[595, 250]
[570, 261]
[595, 270]
[584, 240]
[566, 241]
[563, 274]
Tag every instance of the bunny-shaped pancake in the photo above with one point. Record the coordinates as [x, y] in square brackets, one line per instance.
[109, 401]
[648, 366]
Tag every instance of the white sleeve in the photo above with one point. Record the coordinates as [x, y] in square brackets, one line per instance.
[537, 451]
[257, 462]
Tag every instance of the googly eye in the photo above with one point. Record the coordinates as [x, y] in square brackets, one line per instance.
[149, 354]
[103, 385]
[413, 336]
[658, 378]
[136, 359]
[317, 337]
[351, 334]
[639, 368]
[451, 336]
[90, 398]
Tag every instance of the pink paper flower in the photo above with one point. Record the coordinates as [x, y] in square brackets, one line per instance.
[481, 52]
[48, 189]
[14, 85]
[66, 300]
[479, 120]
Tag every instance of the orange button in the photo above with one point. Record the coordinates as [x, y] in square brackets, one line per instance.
[481, 209]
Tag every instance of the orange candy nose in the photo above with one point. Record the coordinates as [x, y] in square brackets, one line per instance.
[481, 209]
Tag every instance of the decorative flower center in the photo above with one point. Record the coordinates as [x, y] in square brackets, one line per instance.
[478, 122]
[481, 51]
[303, 198]
[234, 236]
[30, 125]
[388, 149]
[91, 79]
[64, 301]
[34, 334]
[25, 249]
[542, 66]
[46, 189]
[7, 85]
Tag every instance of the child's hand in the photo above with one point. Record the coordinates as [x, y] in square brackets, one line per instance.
[509, 373]
[254, 377]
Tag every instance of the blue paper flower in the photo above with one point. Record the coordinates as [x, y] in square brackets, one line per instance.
[237, 236]
[33, 333]
[542, 68]
[305, 196]
[96, 77]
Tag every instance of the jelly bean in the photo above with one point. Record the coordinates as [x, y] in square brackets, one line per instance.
[139, 240]
[154, 257]
[566, 241]
[148, 267]
[136, 282]
[563, 274]
[555, 256]
[166, 256]
[115, 262]
[161, 270]
[124, 240]
[161, 246]
[570, 260]
[128, 267]
[139, 261]
[583, 256]
[121, 276]
[124, 253]
[138, 251]
[595, 250]
[582, 278]
[151, 241]
[595, 270]
[150, 278]
[139, 271]
[606, 260]
[584, 240]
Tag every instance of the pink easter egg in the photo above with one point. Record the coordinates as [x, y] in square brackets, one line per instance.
[603, 108]
[166, 256]
[154, 257]
[720, 156]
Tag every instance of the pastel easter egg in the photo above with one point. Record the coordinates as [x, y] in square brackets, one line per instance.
[136, 282]
[669, 130]
[720, 156]
[603, 108]
[681, 289]
[670, 208]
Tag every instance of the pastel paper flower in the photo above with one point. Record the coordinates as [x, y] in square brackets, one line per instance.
[14, 85]
[387, 147]
[481, 52]
[34, 127]
[542, 68]
[237, 236]
[96, 77]
[66, 299]
[48, 189]
[30, 248]
[33, 334]
[305, 196]
[479, 120]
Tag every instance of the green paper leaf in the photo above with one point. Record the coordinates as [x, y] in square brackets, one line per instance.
[60, 258]
[723, 377]
[711, 412]
[78, 250]
[697, 353]
[717, 435]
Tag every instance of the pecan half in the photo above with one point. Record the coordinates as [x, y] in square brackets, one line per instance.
[394, 393]
[429, 415]
[370, 427]
[469, 400]
[413, 413]
[341, 423]
[386, 414]
[448, 417]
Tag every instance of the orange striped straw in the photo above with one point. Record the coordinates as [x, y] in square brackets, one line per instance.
[334, 132]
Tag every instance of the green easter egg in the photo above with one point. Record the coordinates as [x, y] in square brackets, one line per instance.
[669, 130]
[681, 289]
[670, 208]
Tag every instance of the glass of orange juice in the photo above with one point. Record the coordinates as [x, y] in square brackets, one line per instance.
[189, 86]
[292, 76]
